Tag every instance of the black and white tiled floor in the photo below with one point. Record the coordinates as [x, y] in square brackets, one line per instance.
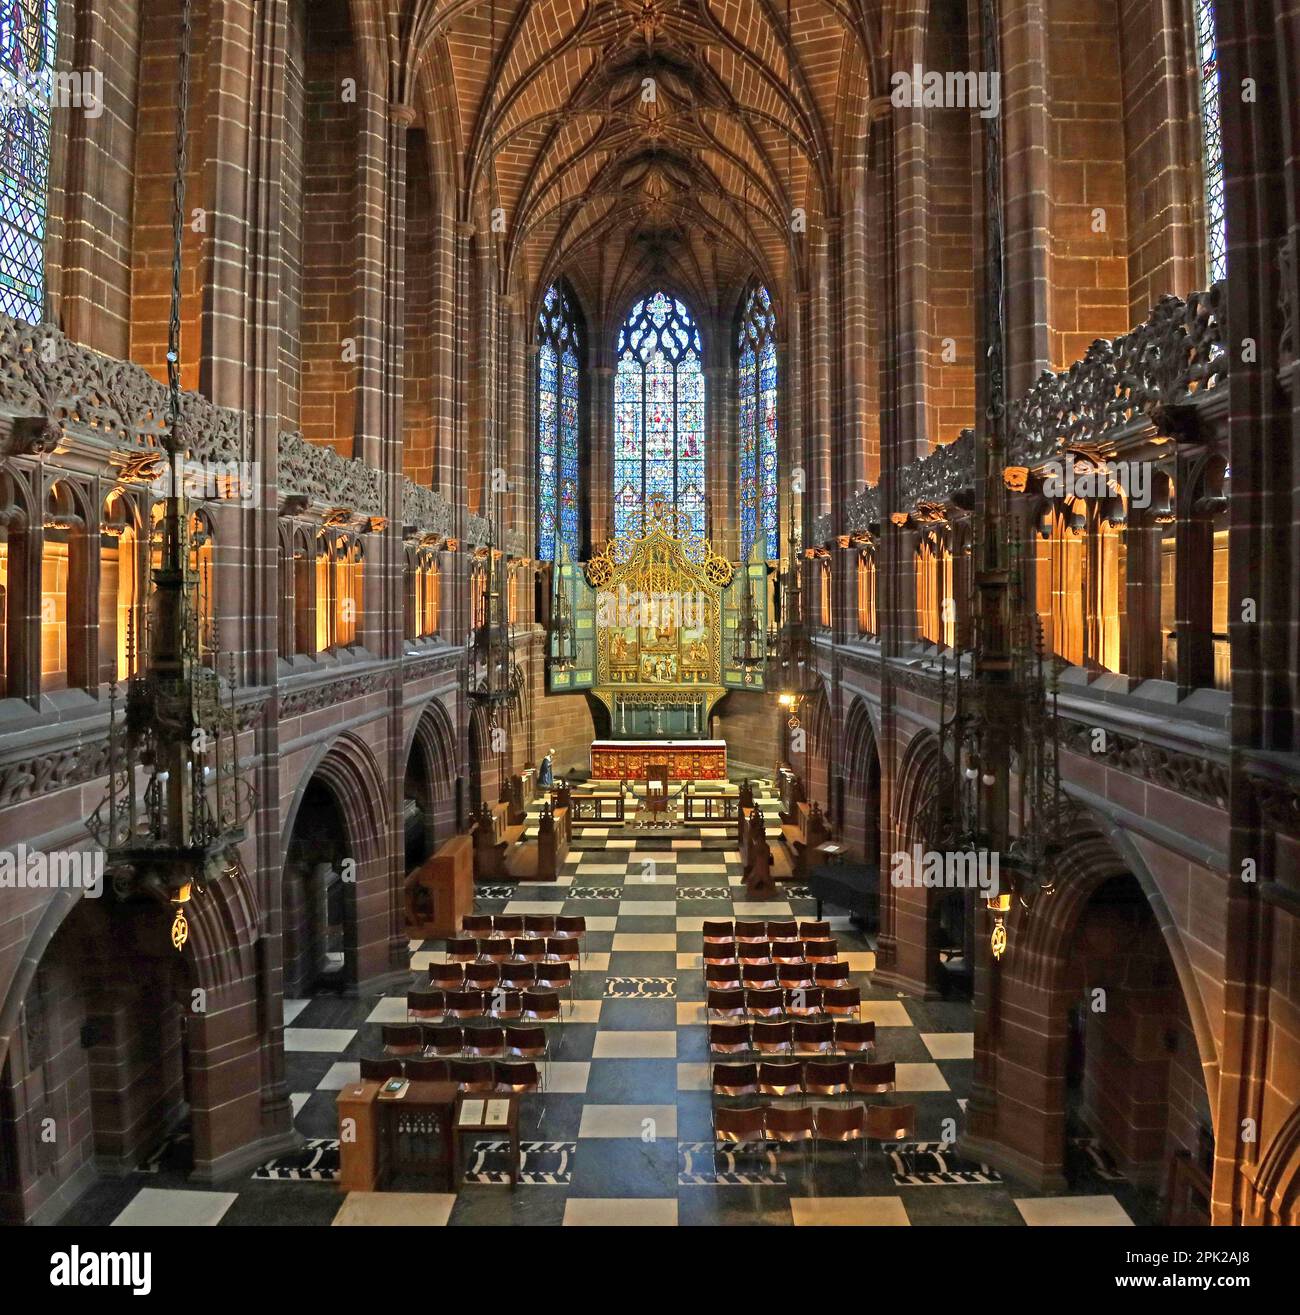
[626, 1135]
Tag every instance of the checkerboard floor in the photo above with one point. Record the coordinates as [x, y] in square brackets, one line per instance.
[625, 1136]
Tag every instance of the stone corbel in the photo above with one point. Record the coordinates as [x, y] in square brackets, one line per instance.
[30, 436]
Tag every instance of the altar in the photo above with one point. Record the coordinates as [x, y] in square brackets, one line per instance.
[687, 760]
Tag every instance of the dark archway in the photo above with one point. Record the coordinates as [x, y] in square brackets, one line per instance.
[320, 873]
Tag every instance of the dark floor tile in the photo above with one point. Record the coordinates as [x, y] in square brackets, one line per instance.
[981, 1206]
[614, 1167]
[732, 1206]
[294, 1204]
[505, 1207]
[632, 1082]
[638, 1015]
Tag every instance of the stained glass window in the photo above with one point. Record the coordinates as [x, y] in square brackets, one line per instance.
[559, 518]
[28, 31]
[1212, 142]
[757, 375]
[659, 415]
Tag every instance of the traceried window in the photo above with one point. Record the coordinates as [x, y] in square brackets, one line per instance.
[1212, 142]
[659, 416]
[28, 32]
[558, 510]
[757, 377]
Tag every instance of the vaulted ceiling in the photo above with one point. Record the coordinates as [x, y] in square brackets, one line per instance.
[622, 142]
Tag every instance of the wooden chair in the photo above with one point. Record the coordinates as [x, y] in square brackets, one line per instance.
[780, 1078]
[735, 1079]
[870, 1079]
[844, 1124]
[854, 1037]
[826, 1077]
[729, 1038]
[891, 1122]
[656, 792]
[772, 1038]
[380, 1070]
[401, 1039]
[814, 1036]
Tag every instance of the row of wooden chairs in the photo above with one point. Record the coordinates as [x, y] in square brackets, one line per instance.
[796, 1077]
[499, 1002]
[720, 976]
[792, 951]
[469, 1075]
[513, 973]
[774, 929]
[510, 925]
[804, 1036]
[523, 949]
[763, 1126]
[801, 1002]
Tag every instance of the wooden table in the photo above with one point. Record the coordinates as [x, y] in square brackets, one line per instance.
[479, 1126]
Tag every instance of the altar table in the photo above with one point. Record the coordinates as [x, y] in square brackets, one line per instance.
[687, 760]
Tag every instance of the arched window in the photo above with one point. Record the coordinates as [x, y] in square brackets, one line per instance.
[659, 415]
[28, 40]
[757, 380]
[558, 519]
[1211, 142]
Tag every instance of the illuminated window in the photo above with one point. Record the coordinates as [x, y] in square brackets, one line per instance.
[867, 592]
[558, 508]
[659, 415]
[757, 379]
[28, 38]
[1212, 142]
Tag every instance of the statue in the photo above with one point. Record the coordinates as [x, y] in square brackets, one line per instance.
[546, 772]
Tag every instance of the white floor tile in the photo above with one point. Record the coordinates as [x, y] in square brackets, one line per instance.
[1074, 1211]
[292, 1008]
[638, 942]
[369, 1209]
[635, 1045]
[322, 1040]
[950, 1045]
[886, 1013]
[340, 1075]
[391, 1009]
[628, 1121]
[613, 1212]
[155, 1207]
[562, 1075]
[849, 1211]
[920, 1077]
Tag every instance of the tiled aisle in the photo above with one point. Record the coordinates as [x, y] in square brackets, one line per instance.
[626, 1134]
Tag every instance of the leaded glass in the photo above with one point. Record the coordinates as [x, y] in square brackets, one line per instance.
[659, 447]
[757, 420]
[1212, 142]
[559, 491]
[28, 34]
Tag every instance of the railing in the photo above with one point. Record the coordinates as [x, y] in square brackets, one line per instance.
[711, 808]
[589, 809]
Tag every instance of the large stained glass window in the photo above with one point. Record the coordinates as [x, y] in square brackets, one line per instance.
[558, 510]
[757, 375]
[659, 416]
[1212, 141]
[28, 32]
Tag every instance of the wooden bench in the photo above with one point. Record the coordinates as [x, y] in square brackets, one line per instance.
[803, 834]
[494, 834]
[541, 859]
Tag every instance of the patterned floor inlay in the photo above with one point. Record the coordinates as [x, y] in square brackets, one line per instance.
[932, 1164]
[317, 1162]
[640, 988]
[596, 892]
[703, 892]
[542, 1163]
[710, 1164]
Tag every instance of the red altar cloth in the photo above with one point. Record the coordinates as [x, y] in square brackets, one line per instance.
[687, 760]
